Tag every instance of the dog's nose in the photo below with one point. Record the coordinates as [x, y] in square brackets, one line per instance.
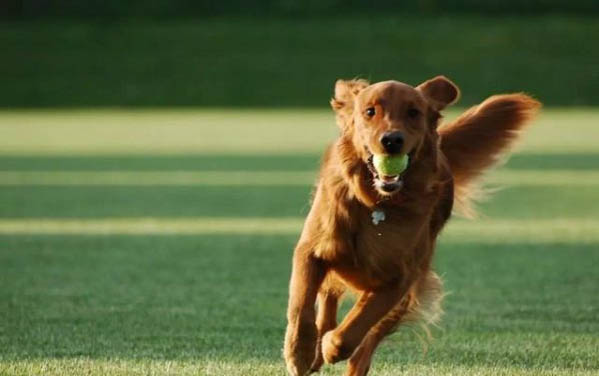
[392, 142]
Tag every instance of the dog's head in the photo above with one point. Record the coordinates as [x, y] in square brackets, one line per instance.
[391, 118]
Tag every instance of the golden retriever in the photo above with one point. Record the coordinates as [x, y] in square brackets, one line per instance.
[376, 234]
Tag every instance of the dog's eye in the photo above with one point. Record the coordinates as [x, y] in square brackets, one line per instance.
[370, 111]
[413, 113]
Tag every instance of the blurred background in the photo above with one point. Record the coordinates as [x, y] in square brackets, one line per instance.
[288, 53]
[157, 159]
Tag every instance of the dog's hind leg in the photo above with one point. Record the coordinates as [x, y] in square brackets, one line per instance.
[326, 319]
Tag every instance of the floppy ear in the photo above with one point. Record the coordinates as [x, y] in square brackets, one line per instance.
[343, 101]
[440, 92]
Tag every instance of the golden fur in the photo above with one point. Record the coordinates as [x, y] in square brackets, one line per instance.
[388, 264]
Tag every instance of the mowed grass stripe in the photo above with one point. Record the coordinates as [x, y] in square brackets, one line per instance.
[256, 178]
[543, 177]
[256, 132]
[248, 162]
[261, 178]
[97, 132]
[487, 230]
[137, 226]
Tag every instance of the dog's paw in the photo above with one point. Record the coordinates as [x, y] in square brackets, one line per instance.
[334, 349]
[296, 369]
[300, 350]
[299, 361]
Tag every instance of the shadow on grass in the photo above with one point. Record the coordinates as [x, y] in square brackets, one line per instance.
[227, 162]
[72, 201]
[154, 201]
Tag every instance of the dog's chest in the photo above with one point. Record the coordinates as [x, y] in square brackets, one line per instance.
[385, 243]
[381, 231]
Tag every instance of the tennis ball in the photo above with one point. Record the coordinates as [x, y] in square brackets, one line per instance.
[390, 165]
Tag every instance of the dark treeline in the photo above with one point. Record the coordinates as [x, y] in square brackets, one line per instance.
[27, 9]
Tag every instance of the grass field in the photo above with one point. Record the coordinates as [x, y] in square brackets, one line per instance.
[159, 243]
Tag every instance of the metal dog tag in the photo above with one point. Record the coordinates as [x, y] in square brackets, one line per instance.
[378, 216]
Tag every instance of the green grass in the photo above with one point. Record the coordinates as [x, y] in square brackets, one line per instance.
[254, 201]
[292, 62]
[151, 258]
[221, 299]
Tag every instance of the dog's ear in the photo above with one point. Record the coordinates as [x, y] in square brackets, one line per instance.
[440, 92]
[343, 101]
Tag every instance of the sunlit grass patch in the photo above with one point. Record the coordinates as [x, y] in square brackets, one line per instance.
[102, 132]
[266, 132]
[151, 226]
[152, 178]
[510, 231]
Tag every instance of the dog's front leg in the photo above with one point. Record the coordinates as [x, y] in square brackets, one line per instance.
[300, 338]
[372, 306]
[359, 363]
[326, 320]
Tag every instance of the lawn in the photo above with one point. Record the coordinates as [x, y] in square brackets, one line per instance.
[158, 242]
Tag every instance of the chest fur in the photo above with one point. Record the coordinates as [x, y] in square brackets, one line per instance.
[372, 254]
[392, 245]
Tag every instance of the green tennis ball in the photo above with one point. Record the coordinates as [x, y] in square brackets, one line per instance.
[390, 165]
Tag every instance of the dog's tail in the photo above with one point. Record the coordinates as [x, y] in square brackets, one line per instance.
[477, 139]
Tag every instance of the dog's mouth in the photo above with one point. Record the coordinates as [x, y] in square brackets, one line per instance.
[386, 185]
